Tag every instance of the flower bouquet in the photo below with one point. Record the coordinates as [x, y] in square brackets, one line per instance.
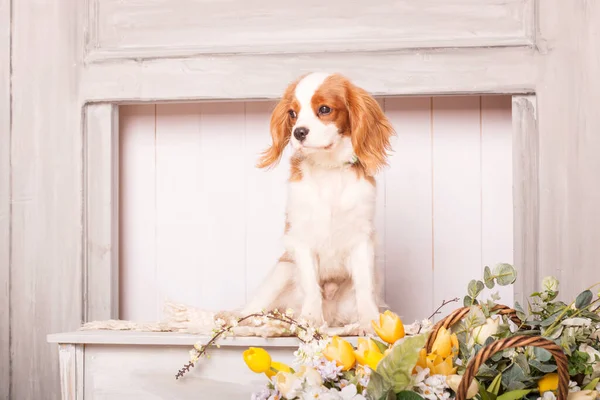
[483, 350]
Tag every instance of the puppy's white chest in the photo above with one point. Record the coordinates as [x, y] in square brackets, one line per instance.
[330, 208]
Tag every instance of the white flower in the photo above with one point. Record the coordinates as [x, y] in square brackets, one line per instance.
[310, 375]
[194, 355]
[548, 395]
[483, 332]
[573, 387]
[550, 284]
[310, 352]
[433, 387]
[351, 393]
[287, 384]
[220, 322]
[329, 370]
[262, 395]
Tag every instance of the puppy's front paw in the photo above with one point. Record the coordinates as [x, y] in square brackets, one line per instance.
[313, 313]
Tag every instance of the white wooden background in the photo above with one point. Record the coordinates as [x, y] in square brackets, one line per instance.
[201, 225]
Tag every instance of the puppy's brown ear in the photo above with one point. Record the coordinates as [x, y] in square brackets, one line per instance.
[281, 129]
[370, 130]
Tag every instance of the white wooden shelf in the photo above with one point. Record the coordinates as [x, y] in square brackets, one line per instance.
[163, 339]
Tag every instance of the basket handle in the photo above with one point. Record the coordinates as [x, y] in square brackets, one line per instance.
[517, 341]
[458, 314]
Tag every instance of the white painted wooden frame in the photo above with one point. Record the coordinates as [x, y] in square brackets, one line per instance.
[101, 197]
[105, 53]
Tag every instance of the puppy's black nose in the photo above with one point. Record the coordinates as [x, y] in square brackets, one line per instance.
[300, 133]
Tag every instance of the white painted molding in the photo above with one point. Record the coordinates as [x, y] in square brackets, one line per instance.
[101, 289]
[427, 72]
[70, 358]
[120, 30]
[167, 339]
[526, 195]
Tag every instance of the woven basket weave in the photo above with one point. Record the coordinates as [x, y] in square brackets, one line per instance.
[517, 341]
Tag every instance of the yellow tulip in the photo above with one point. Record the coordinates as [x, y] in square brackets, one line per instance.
[548, 382]
[341, 352]
[367, 353]
[445, 344]
[275, 368]
[422, 360]
[257, 359]
[389, 328]
[439, 365]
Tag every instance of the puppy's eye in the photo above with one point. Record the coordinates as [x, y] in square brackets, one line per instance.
[292, 113]
[324, 110]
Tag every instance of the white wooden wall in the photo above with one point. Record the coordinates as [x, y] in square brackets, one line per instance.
[201, 225]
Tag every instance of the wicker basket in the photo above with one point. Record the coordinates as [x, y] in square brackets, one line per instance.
[458, 314]
[517, 341]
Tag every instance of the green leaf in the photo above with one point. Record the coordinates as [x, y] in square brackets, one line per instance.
[549, 321]
[469, 301]
[382, 346]
[514, 394]
[592, 385]
[474, 318]
[513, 374]
[542, 355]
[584, 299]
[520, 312]
[378, 387]
[545, 368]
[408, 395]
[495, 385]
[485, 395]
[397, 366]
[505, 274]
[474, 288]
[486, 372]
[488, 278]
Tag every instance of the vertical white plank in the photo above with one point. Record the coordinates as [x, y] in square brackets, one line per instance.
[526, 196]
[71, 371]
[222, 239]
[46, 183]
[5, 216]
[138, 206]
[456, 195]
[180, 204]
[408, 245]
[265, 199]
[380, 223]
[497, 188]
[101, 291]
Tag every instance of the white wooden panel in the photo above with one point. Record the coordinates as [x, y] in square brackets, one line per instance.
[497, 187]
[223, 235]
[408, 196]
[138, 275]
[426, 72]
[47, 185]
[444, 206]
[159, 28]
[456, 195]
[116, 373]
[526, 195]
[4, 198]
[265, 192]
[101, 298]
[179, 204]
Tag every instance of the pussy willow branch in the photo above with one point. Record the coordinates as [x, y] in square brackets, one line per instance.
[437, 310]
[272, 315]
